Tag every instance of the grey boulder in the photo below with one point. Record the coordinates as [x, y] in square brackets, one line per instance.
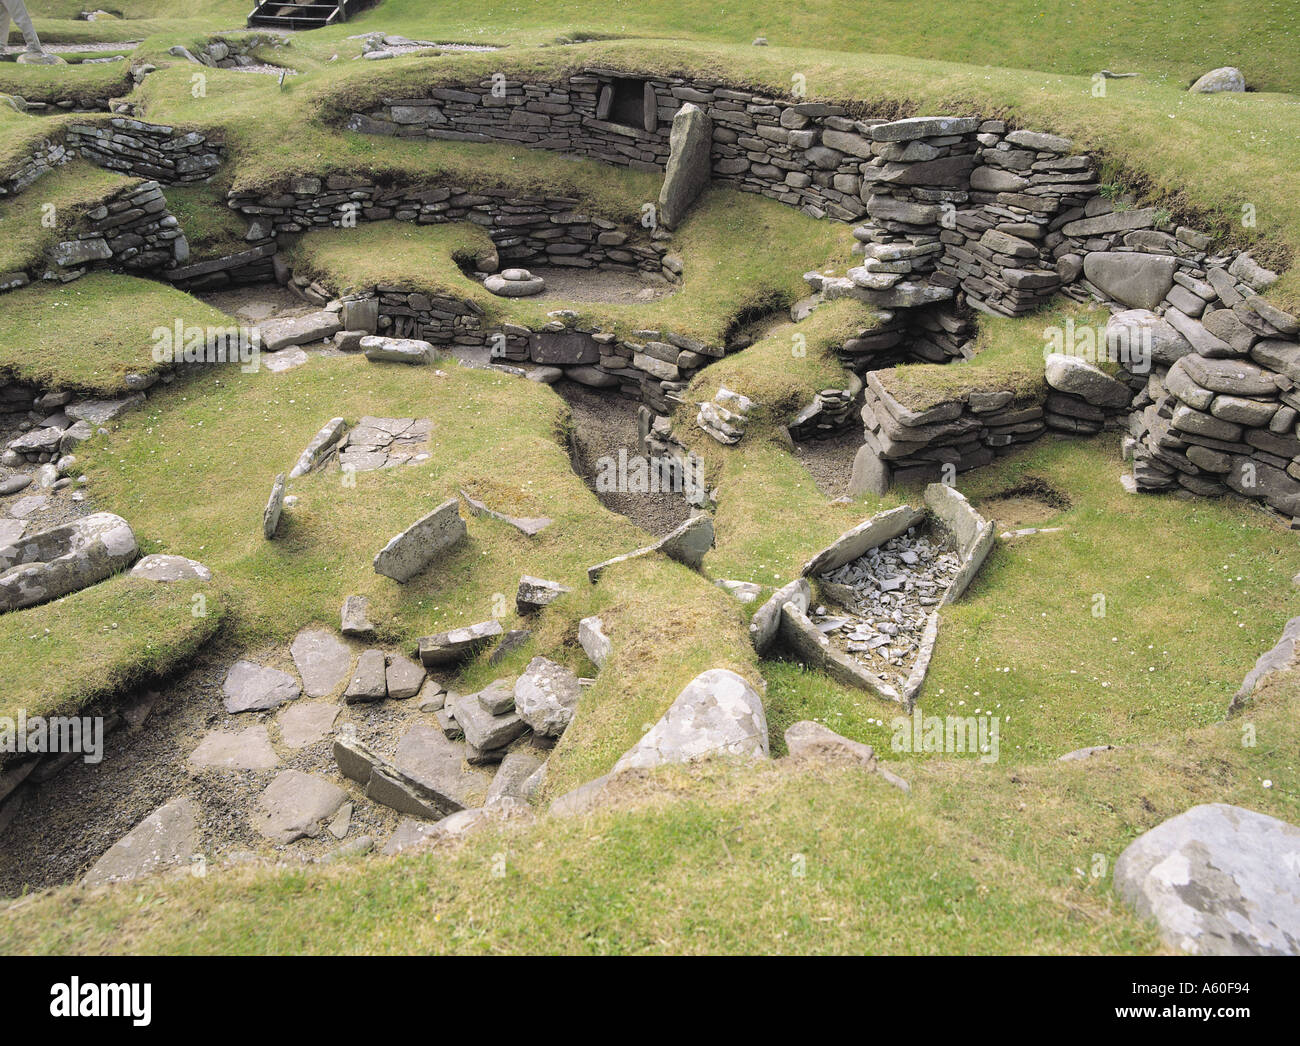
[546, 696]
[64, 559]
[416, 547]
[1217, 880]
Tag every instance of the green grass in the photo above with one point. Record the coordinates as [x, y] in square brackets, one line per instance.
[719, 284]
[1009, 355]
[101, 642]
[211, 228]
[102, 326]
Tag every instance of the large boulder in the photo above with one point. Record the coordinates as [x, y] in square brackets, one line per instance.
[1135, 332]
[688, 169]
[1139, 280]
[64, 559]
[1225, 78]
[419, 544]
[546, 696]
[718, 713]
[1217, 880]
[1078, 377]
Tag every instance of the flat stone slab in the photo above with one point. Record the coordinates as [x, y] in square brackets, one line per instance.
[377, 443]
[166, 838]
[356, 618]
[11, 530]
[295, 805]
[288, 359]
[322, 659]
[411, 551]
[248, 749]
[101, 412]
[304, 723]
[404, 677]
[1217, 880]
[513, 778]
[298, 330]
[457, 644]
[396, 350]
[28, 506]
[251, 687]
[546, 696]
[428, 757]
[158, 567]
[370, 680]
[865, 536]
[718, 713]
[808, 740]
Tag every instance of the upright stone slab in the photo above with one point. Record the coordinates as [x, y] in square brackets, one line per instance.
[419, 545]
[688, 169]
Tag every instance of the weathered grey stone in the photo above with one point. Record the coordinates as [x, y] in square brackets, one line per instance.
[321, 446]
[1039, 142]
[294, 806]
[369, 682]
[274, 507]
[866, 535]
[158, 567]
[485, 731]
[101, 412]
[546, 696]
[250, 687]
[279, 334]
[594, 642]
[1217, 880]
[1085, 753]
[356, 617]
[1073, 375]
[534, 593]
[411, 551]
[1226, 78]
[397, 350]
[1140, 281]
[304, 723]
[1132, 333]
[457, 644]
[168, 837]
[524, 287]
[686, 544]
[1276, 659]
[718, 713]
[766, 622]
[436, 765]
[249, 749]
[404, 677]
[512, 778]
[530, 526]
[808, 740]
[807, 642]
[923, 127]
[322, 659]
[64, 559]
[1235, 377]
[688, 169]
[870, 474]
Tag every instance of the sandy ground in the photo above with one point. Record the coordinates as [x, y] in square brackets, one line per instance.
[830, 461]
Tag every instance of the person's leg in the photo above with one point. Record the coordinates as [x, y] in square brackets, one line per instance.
[4, 27]
[17, 10]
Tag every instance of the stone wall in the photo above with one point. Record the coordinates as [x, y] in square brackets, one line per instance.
[146, 150]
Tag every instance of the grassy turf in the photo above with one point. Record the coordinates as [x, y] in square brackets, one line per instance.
[719, 285]
[101, 325]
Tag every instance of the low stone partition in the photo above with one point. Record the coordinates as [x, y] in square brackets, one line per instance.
[146, 150]
[46, 155]
[526, 230]
[885, 581]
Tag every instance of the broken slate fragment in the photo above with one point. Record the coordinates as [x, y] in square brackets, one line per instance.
[294, 805]
[369, 681]
[274, 507]
[457, 644]
[545, 696]
[405, 677]
[356, 617]
[534, 593]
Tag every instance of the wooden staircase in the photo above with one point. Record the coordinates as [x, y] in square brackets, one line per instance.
[296, 15]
